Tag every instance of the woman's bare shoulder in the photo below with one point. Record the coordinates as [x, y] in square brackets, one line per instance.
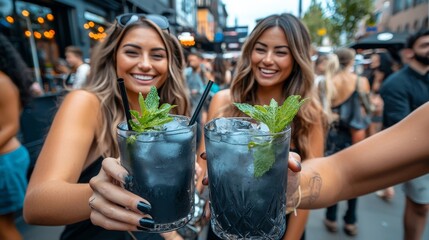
[82, 98]
[221, 98]
[80, 104]
[219, 102]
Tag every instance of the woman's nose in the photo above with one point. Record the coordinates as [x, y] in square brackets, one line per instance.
[144, 63]
[268, 58]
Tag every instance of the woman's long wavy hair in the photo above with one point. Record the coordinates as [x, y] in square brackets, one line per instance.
[300, 82]
[102, 81]
[15, 68]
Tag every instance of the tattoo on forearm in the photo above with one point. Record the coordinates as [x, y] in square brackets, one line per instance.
[315, 185]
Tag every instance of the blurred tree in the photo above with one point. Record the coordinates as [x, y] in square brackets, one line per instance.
[345, 15]
[316, 22]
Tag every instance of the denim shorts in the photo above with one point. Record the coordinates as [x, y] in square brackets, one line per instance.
[13, 181]
[418, 189]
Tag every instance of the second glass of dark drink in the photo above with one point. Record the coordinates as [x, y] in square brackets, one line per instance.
[161, 164]
[245, 202]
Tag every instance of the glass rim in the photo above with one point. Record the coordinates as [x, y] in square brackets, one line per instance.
[259, 134]
[128, 132]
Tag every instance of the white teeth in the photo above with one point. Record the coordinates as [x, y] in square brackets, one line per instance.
[142, 77]
[267, 71]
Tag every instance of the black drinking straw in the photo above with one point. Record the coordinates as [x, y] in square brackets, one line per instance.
[125, 101]
[201, 102]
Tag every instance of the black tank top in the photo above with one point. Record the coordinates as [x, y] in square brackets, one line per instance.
[86, 230]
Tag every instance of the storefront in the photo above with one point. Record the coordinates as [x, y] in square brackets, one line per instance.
[41, 30]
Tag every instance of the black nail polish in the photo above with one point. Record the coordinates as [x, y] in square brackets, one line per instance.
[144, 207]
[147, 223]
[129, 182]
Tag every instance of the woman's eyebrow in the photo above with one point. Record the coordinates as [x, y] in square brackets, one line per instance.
[281, 46]
[139, 47]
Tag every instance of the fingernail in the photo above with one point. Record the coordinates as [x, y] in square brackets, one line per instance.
[143, 207]
[298, 164]
[203, 155]
[146, 223]
[205, 180]
[123, 177]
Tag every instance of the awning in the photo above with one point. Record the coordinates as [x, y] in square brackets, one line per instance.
[388, 40]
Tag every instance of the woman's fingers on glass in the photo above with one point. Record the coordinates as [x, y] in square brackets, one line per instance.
[120, 196]
[294, 163]
[108, 191]
[198, 170]
[113, 167]
[206, 213]
[171, 236]
[293, 194]
[205, 180]
[114, 217]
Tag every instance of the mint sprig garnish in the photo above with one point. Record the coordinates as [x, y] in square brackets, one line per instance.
[277, 118]
[151, 115]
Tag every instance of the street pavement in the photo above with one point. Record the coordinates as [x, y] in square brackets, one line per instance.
[377, 220]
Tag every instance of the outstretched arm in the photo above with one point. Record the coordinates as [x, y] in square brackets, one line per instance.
[394, 155]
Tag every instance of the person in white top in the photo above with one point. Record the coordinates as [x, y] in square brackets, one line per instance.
[80, 69]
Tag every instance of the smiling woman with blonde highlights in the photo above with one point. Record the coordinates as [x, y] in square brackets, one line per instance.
[275, 63]
[139, 50]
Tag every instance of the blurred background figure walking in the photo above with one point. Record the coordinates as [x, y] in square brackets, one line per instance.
[79, 69]
[349, 128]
[15, 84]
[403, 92]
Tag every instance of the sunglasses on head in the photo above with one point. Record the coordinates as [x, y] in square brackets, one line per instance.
[128, 18]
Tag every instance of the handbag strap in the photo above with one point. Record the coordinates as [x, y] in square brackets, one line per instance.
[358, 83]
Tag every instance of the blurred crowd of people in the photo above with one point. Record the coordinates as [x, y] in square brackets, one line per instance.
[364, 93]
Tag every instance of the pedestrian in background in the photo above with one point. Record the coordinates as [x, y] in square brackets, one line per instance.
[79, 69]
[140, 50]
[402, 93]
[220, 73]
[274, 64]
[196, 79]
[15, 84]
[348, 128]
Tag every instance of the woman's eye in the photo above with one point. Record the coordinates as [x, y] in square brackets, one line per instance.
[131, 53]
[282, 53]
[158, 56]
[260, 49]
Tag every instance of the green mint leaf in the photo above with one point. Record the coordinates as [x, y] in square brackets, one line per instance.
[143, 108]
[264, 158]
[152, 99]
[277, 118]
[151, 115]
[131, 139]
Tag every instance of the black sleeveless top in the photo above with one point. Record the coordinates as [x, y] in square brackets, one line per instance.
[86, 230]
[350, 117]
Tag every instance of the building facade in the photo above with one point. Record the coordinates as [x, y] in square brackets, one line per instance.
[402, 16]
[42, 29]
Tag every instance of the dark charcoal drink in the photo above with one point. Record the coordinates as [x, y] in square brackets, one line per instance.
[244, 206]
[162, 168]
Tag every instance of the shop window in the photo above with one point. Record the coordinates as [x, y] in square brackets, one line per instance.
[36, 25]
[7, 19]
[416, 25]
[95, 26]
[398, 5]
[408, 4]
[425, 24]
